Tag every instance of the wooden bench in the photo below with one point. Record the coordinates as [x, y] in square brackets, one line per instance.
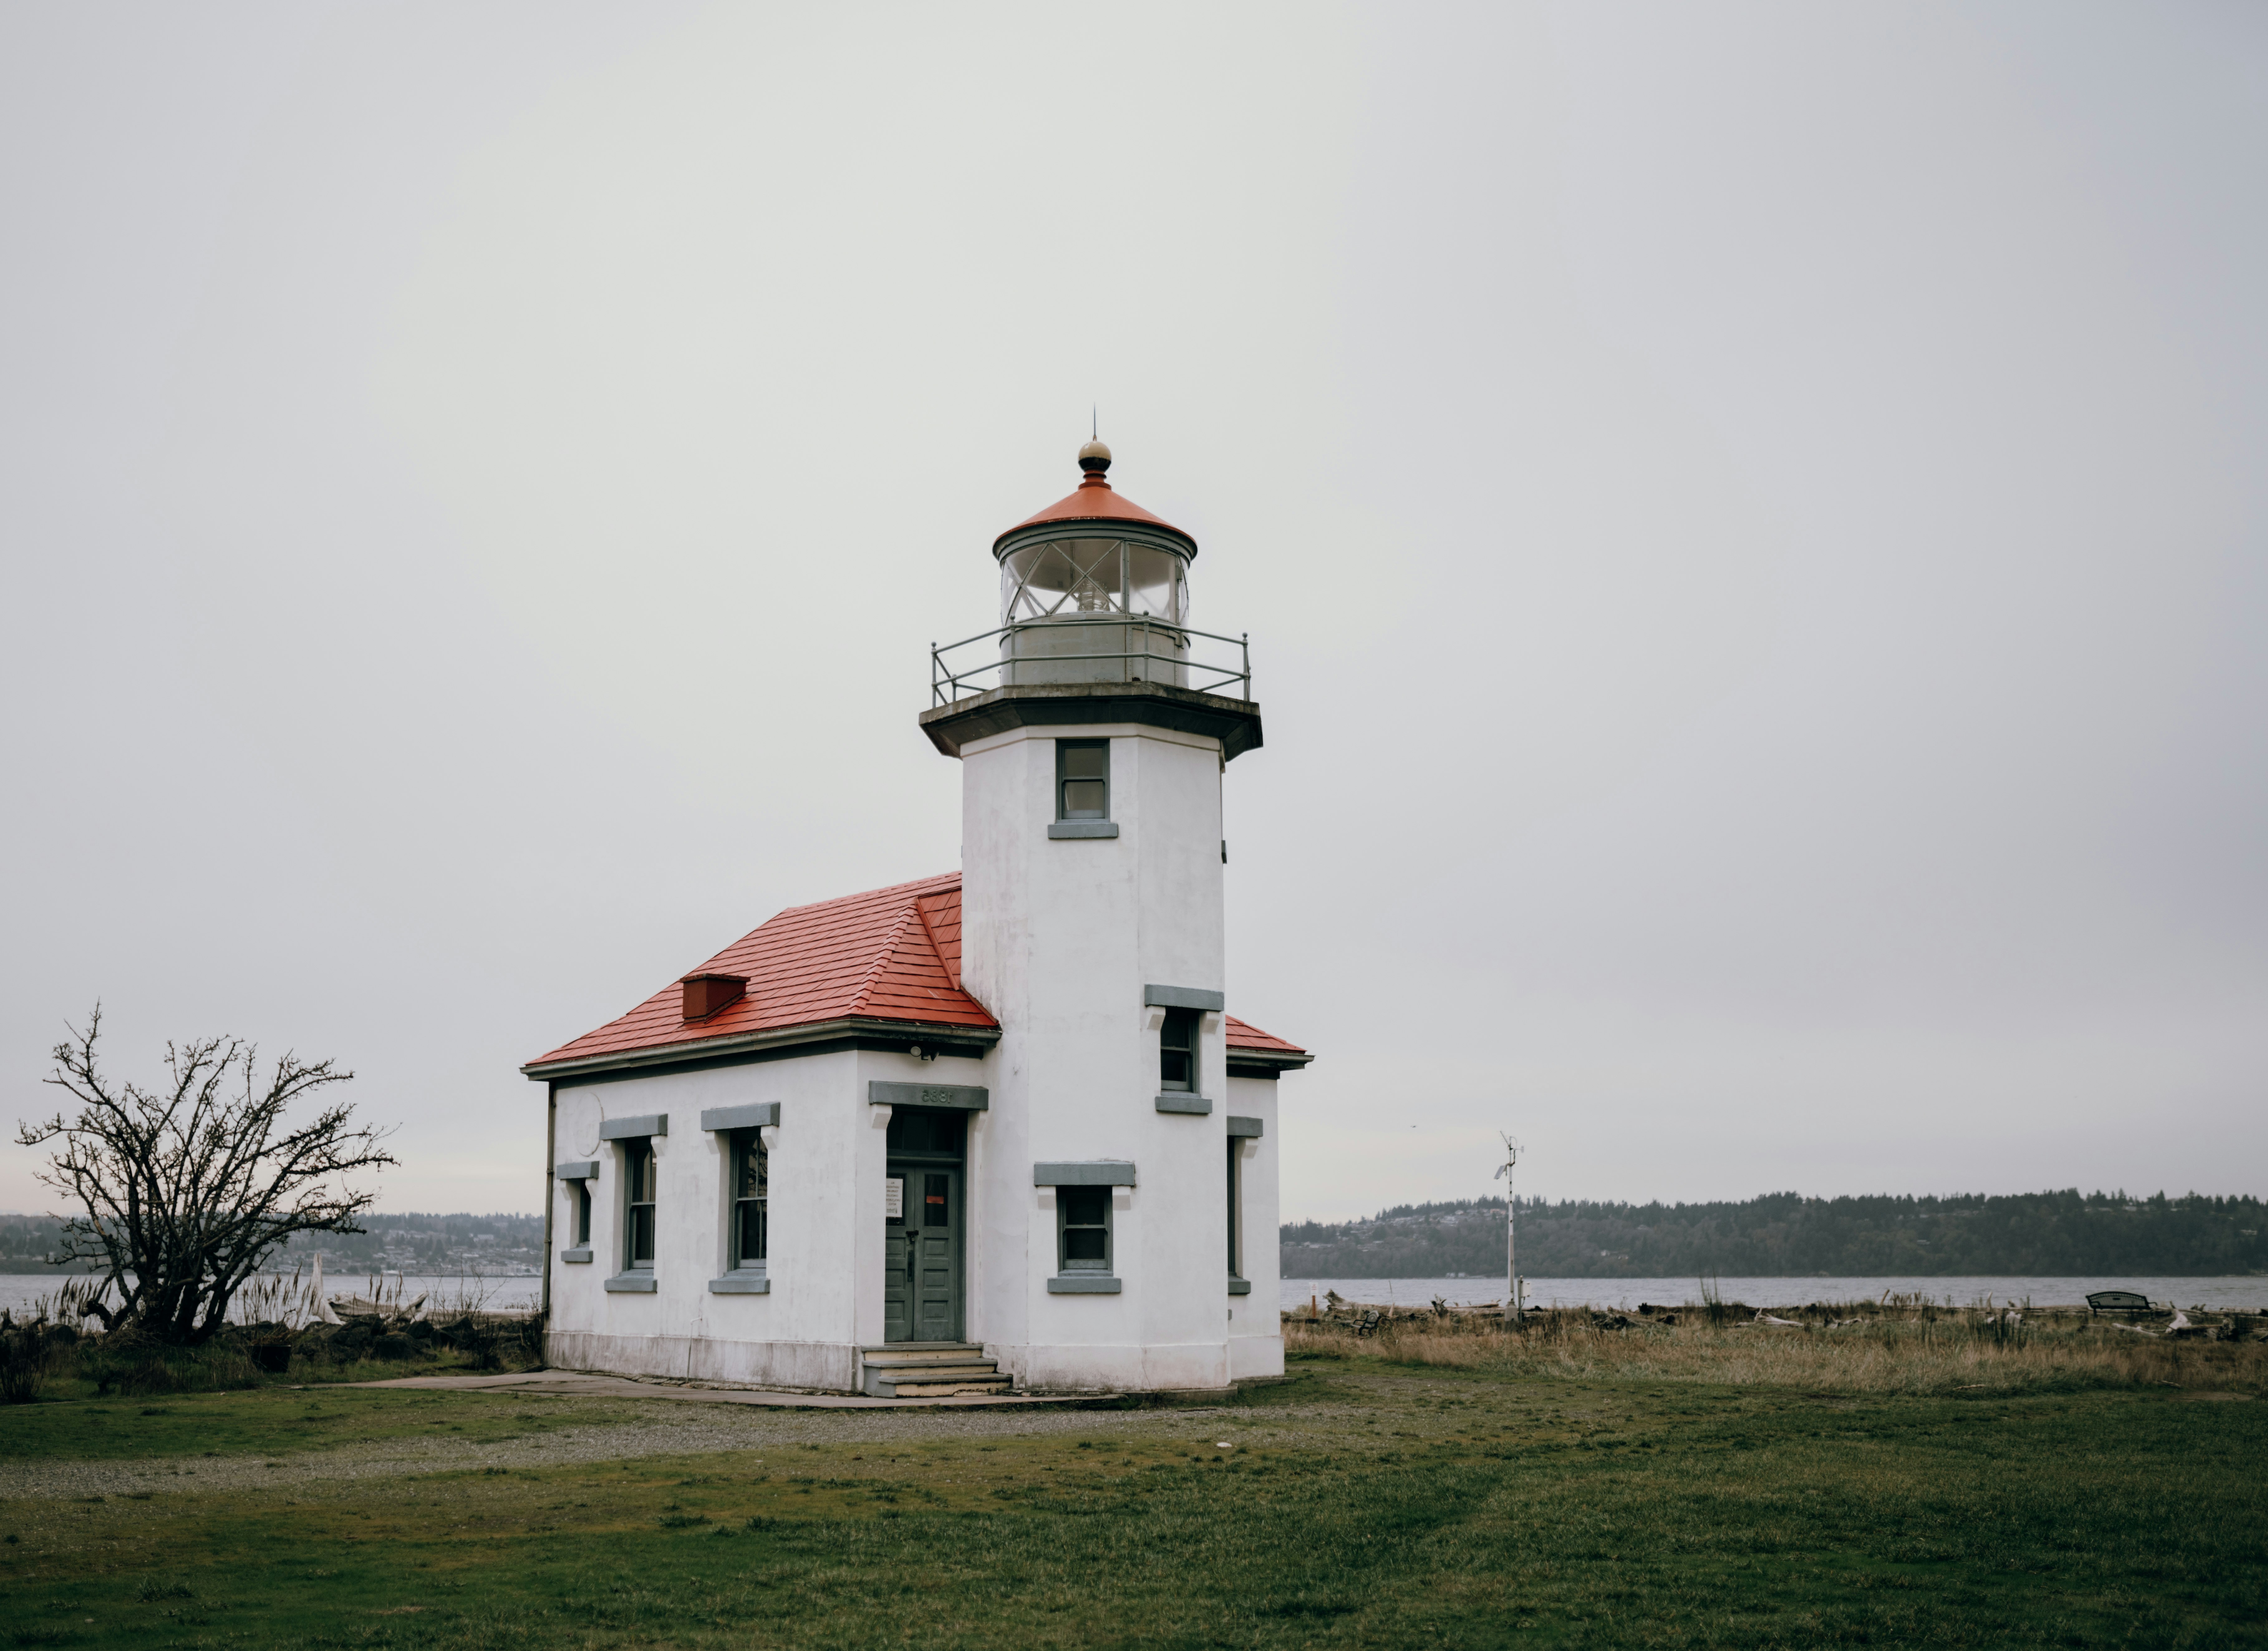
[2118, 1301]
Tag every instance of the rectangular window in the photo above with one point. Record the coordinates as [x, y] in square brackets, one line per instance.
[751, 1203]
[1235, 1211]
[1084, 1217]
[1177, 1051]
[1082, 779]
[639, 1183]
[582, 1223]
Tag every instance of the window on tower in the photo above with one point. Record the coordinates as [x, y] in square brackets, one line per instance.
[1082, 779]
[1177, 1051]
[1084, 1216]
[1085, 1194]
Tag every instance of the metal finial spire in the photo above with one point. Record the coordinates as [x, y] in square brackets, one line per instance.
[1094, 458]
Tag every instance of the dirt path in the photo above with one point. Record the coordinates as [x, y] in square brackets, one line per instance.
[663, 1429]
[584, 1384]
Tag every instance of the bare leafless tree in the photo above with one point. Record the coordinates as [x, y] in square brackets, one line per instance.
[184, 1190]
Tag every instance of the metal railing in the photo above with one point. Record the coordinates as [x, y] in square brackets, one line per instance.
[948, 683]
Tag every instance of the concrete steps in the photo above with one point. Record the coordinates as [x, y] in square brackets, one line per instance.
[931, 1370]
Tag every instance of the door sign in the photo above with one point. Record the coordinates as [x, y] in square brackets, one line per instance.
[893, 1198]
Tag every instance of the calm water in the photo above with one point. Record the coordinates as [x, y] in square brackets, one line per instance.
[18, 1292]
[1624, 1293]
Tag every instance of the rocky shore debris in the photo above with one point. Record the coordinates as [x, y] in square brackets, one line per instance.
[2006, 1323]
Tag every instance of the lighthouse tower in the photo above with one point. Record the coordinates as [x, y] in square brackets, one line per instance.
[1122, 1185]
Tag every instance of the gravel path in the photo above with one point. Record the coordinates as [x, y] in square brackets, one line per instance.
[662, 1429]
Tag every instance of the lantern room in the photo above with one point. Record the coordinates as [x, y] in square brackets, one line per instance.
[1095, 589]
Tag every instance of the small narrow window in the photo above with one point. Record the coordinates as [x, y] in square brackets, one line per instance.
[1085, 1214]
[1082, 779]
[1177, 1051]
[582, 1221]
[751, 1201]
[638, 1187]
[1235, 1212]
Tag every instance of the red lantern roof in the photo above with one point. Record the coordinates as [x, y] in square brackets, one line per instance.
[1095, 499]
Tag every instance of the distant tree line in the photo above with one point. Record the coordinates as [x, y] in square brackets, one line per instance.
[1784, 1234]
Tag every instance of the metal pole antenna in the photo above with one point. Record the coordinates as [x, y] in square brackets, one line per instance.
[1513, 1305]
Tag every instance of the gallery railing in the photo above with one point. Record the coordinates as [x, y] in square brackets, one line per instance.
[1179, 665]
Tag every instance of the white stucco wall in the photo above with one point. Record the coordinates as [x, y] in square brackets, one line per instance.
[1256, 1325]
[806, 1332]
[1058, 939]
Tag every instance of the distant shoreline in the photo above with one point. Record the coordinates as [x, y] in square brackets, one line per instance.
[1711, 1275]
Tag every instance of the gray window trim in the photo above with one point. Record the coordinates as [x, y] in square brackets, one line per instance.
[736, 1142]
[629, 1129]
[966, 1097]
[630, 1145]
[1235, 1168]
[1174, 1102]
[1099, 1178]
[581, 1169]
[1250, 1128]
[1082, 1284]
[1239, 1286]
[761, 1115]
[1192, 1022]
[1097, 1172]
[631, 1284]
[1064, 829]
[741, 1283]
[1184, 997]
[1064, 746]
[574, 1256]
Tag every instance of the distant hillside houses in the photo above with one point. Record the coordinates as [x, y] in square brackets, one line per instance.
[1786, 1234]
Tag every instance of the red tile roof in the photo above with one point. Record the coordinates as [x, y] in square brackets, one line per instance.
[1260, 1043]
[888, 955]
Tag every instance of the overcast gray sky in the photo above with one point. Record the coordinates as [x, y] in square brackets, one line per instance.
[1751, 519]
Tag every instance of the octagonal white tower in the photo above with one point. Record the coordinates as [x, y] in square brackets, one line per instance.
[1124, 1196]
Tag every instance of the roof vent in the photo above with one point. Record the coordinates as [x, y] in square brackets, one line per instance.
[705, 994]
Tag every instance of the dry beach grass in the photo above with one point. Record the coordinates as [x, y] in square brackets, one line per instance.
[1844, 1349]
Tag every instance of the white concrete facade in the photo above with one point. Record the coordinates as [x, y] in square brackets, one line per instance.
[1112, 1232]
[1256, 1324]
[825, 1269]
[1061, 939]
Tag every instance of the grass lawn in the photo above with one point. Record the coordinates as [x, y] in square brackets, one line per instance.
[1364, 1504]
[267, 1421]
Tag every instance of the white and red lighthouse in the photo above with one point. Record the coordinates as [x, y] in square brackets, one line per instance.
[986, 1129]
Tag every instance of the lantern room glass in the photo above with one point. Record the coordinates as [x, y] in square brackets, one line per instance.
[1075, 579]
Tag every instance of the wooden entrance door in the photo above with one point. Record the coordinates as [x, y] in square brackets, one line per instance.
[924, 1255]
[921, 1287]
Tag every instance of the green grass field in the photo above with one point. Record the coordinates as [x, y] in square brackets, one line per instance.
[1364, 1504]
